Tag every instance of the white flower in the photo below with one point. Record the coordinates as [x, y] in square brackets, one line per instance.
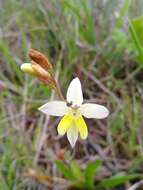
[72, 122]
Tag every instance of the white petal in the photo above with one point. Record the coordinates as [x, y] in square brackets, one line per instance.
[72, 135]
[94, 111]
[54, 108]
[74, 92]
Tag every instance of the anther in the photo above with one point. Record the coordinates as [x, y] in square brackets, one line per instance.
[69, 104]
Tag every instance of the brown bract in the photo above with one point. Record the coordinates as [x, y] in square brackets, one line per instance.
[43, 75]
[40, 59]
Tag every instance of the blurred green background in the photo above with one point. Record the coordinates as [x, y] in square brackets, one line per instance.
[101, 42]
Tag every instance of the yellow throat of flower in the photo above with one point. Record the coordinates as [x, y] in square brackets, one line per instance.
[73, 118]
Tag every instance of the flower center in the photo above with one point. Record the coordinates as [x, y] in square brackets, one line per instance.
[74, 113]
[73, 110]
[72, 105]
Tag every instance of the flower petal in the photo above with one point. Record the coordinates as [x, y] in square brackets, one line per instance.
[72, 135]
[54, 108]
[94, 111]
[64, 124]
[74, 92]
[82, 127]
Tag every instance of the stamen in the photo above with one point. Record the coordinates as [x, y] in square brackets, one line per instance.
[75, 107]
[69, 104]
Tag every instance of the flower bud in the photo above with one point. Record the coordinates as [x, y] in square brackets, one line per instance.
[43, 75]
[39, 70]
[40, 59]
[27, 68]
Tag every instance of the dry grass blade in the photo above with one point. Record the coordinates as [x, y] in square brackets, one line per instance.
[103, 87]
[136, 185]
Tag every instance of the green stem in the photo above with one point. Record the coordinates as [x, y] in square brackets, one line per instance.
[57, 88]
[59, 92]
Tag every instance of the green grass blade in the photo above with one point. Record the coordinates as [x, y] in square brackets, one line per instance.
[136, 28]
[64, 170]
[90, 172]
[118, 180]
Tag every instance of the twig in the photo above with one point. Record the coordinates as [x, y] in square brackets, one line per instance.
[9, 118]
[24, 105]
[43, 135]
[132, 75]
[9, 86]
[136, 185]
[103, 87]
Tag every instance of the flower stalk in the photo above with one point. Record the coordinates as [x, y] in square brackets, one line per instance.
[59, 92]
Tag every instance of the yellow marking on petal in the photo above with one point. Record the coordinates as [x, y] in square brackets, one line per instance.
[64, 124]
[82, 127]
